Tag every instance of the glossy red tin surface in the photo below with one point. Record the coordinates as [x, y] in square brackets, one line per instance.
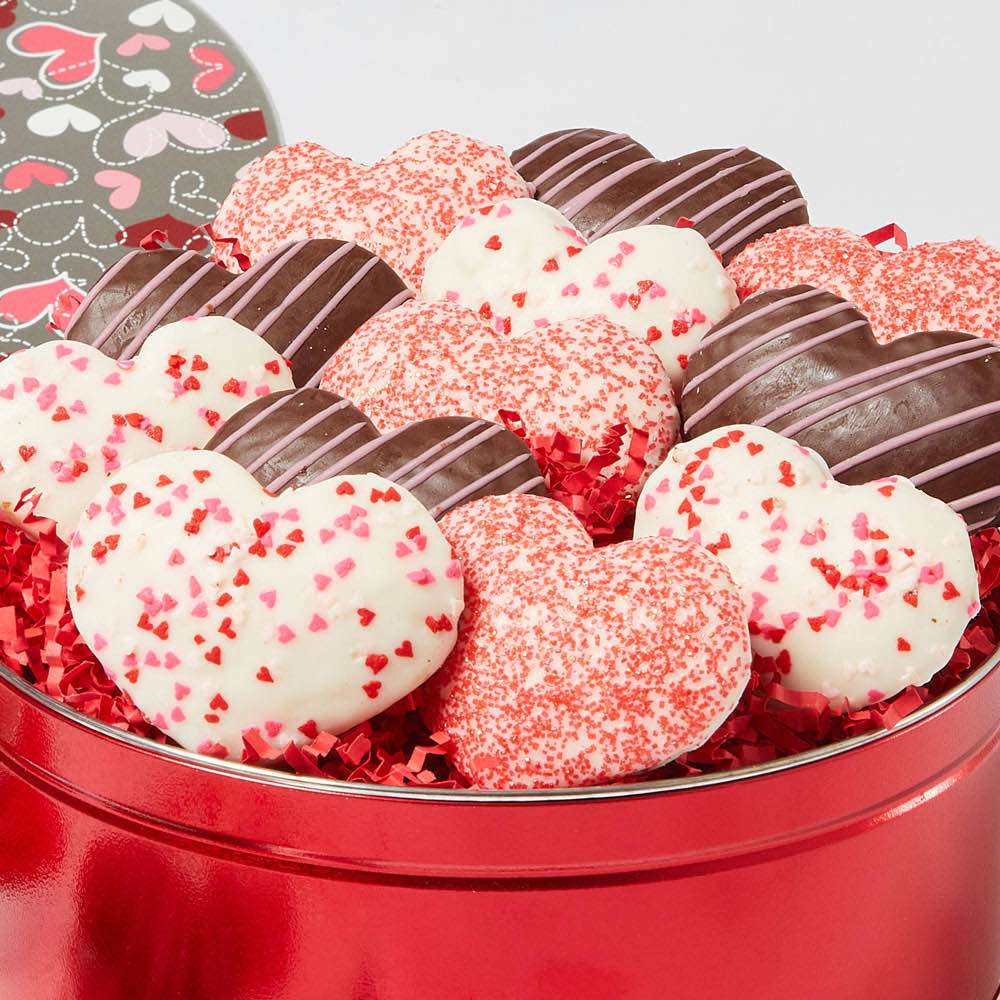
[870, 870]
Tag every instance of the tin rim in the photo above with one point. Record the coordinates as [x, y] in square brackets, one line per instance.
[328, 786]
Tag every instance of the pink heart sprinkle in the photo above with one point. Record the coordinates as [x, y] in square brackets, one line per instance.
[62, 350]
[325, 534]
[322, 581]
[181, 691]
[571, 289]
[164, 509]
[657, 291]
[770, 574]
[177, 715]
[619, 299]
[344, 567]
[362, 530]
[871, 609]
[99, 642]
[285, 634]
[421, 576]
[626, 248]
[268, 597]
[200, 610]
[503, 211]
[194, 587]
[8, 391]
[403, 550]
[454, 570]
[452, 296]
[176, 558]
[80, 364]
[317, 624]
[602, 280]
[789, 618]
[113, 379]
[171, 660]
[151, 660]
[273, 728]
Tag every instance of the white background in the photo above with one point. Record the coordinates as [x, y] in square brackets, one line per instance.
[885, 112]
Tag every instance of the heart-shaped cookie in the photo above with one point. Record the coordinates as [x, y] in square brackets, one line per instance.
[292, 439]
[400, 208]
[933, 286]
[72, 417]
[221, 609]
[434, 359]
[522, 265]
[606, 181]
[855, 591]
[805, 363]
[577, 666]
[305, 299]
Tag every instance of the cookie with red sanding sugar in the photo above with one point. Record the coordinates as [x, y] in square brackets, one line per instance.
[400, 208]
[72, 416]
[521, 265]
[434, 359]
[855, 591]
[226, 612]
[577, 666]
[933, 286]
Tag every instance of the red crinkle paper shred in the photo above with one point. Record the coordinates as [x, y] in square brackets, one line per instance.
[67, 303]
[603, 501]
[39, 642]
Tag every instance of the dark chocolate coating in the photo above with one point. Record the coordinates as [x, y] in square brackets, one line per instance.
[305, 299]
[303, 436]
[605, 181]
[811, 368]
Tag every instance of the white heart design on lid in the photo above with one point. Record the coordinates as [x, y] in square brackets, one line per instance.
[155, 79]
[222, 610]
[72, 416]
[856, 591]
[55, 119]
[521, 264]
[173, 15]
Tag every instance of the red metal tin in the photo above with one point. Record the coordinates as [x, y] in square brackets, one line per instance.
[867, 871]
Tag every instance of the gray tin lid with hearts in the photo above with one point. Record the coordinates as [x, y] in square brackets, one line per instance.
[119, 119]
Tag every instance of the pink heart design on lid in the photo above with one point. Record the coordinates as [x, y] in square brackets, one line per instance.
[125, 187]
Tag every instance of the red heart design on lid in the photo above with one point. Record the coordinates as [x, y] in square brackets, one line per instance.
[73, 55]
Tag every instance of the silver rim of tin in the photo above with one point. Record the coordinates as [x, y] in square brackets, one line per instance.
[267, 776]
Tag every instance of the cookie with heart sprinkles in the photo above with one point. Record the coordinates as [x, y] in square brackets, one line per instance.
[521, 265]
[73, 417]
[805, 363]
[852, 591]
[306, 436]
[606, 181]
[225, 612]
[305, 299]
[576, 665]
